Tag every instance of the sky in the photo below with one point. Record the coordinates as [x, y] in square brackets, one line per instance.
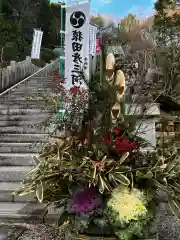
[120, 8]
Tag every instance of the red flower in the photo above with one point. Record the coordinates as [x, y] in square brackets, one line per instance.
[96, 164]
[117, 130]
[74, 90]
[59, 77]
[123, 145]
[106, 139]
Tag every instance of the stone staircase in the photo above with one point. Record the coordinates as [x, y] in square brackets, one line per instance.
[19, 142]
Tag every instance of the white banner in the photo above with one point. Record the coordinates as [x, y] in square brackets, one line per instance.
[36, 45]
[92, 40]
[77, 44]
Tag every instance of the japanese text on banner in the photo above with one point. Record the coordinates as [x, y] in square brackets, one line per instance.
[77, 44]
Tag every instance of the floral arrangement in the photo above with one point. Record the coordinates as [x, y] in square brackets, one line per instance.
[99, 176]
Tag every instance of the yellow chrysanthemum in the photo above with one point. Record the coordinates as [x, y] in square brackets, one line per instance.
[125, 205]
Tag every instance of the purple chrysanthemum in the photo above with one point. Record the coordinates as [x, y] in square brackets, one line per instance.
[88, 200]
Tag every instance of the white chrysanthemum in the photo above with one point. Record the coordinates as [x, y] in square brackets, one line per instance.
[126, 205]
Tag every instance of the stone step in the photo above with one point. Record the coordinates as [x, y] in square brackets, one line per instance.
[21, 123]
[23, 98]
[20, 99]
[39, 77]
[24, 138]
[24, 101]
[34, 84]
[23, 93]
[29, 94]
[29, 117]
[32, 89]
[53, 214]
[24, 111]
[17, 159]
[26, 105]
[21, 147]
[13, 173]
[22, 212]
[39, 81]
[10, 232]
[6, 190]
[25, 130]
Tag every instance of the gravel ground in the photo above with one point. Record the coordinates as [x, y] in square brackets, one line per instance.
[168, 228]
[30, 235]
[168, 225]
[39, 232]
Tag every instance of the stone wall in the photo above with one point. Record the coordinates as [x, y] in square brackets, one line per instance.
[16, 72]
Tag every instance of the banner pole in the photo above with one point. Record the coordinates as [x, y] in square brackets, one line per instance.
[61, 62]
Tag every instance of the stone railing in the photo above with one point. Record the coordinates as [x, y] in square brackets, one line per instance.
[16, 72]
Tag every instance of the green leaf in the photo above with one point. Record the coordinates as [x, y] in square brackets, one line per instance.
[119, 177]
[83, 220]
[157, 169]
[164, 180]
[132, 181]
[106, 184]
[124, 157]
[171, 165]
[148, 175]
[177, 169]
[123, 169]
[101, 222]
[101, 184]
[36, 160]
[70, 177]
[139, 174]
[94, 173]
[159, 185]
[95, 181]
[175, 186]
[40, 192]
[34, 170]
[25, 192]
[83, 162]
[110, 177]
[163, 166]
[175, 208]
[63, 217]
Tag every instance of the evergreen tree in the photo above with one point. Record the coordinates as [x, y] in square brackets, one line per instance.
[167, 29]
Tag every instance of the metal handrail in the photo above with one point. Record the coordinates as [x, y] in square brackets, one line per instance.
[17, 84]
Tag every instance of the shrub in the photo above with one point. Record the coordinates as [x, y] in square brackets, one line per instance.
[47, 55]
[10, 52]
[38, 62]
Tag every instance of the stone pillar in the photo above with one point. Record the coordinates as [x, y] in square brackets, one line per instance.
[145, 127]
